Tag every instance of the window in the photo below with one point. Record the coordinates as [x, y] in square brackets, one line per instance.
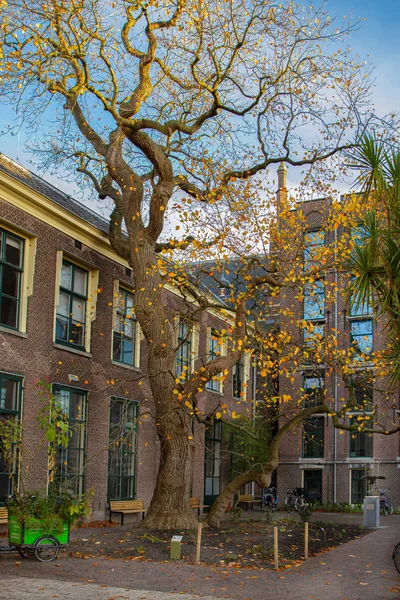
[362, 390]
[214, 350]
[71, 309]
[314, 334]
[361, 338]
[122, 449]
[359, 486]
[313, 390]
[212, 458]
[70, 461]
[314, 300]
[313, 339]
[238, 380]
[125, 330]
[184, 351]
[360, 308]
[10, 405]
[360, 442]
[313, 438]
[11, 268]
[314, 241]
[313, 485]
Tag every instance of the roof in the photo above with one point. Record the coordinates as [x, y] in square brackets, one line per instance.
[23, 175]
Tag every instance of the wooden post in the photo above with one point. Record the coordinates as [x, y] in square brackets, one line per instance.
[198, 545]
[276, 548]
[306, 541]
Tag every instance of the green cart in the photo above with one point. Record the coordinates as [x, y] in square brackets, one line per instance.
[43, 545]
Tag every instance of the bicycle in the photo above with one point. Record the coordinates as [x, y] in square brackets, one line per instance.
[270, 498]
[396, 556]
[384, 502]
[295, 500]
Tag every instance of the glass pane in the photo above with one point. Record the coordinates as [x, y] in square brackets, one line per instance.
[77, 332]
[66, 276]
[361, 327]
[313, 438]
[77, 438]
[10, 283]
[314, 300]
[13, 251]
[113, 488]
[358, 486]
[312, 338]
[78, 310]
[215, 486]
[63, 305]
[75, 461]
[209, 459]
[127, 352]
[9, 311]
[115, 412]
[128, 463]
[5, 486]
[127, 487]
[127, 328]
[4, 466]
[62, 398]
[117, 346]
[313, 389]
[77, 406]
[129, 302]
[313, 484]
[61, 329]
[208, 486]
[80, 279]
[9, 394]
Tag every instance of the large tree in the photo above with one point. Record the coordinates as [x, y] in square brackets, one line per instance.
[149, 99]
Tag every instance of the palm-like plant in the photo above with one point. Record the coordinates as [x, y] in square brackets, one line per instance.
[375, 260]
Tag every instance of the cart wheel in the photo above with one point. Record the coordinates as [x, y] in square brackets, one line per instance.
[25, 553]
[46, 548]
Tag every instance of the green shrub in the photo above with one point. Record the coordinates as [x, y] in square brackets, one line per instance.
[49, 512]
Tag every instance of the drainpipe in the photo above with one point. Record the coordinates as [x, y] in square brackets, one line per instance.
[335, 381]
[254, 389]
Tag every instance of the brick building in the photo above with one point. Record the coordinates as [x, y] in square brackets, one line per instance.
[65, 315]
[329, 464]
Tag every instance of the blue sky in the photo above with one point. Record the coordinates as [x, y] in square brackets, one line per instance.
[377, 37]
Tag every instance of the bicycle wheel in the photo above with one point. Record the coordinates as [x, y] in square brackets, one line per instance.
[385, 509]
[396, 557]
[289, 505]
[46, 548]
[25, 553]
[300, 503]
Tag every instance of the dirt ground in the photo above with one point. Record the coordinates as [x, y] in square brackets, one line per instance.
[247, 544]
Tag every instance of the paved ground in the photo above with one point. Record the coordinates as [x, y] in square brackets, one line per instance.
[362, 569]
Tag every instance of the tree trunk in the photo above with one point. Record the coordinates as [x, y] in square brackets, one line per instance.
[217, 510]
[170, 506]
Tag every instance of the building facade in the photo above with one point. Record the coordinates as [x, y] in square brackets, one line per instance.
[67, 325]
[332, 465]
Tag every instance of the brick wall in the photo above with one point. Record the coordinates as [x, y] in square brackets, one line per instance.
[35, 355]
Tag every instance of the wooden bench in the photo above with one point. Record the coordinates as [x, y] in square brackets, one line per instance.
[195, 503]
[126, 507]
[248, 500]
[3, 514]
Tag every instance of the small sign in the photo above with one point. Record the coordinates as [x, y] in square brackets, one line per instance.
[176, 538]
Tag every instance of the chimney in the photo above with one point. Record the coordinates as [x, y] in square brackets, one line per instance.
[281, 194]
